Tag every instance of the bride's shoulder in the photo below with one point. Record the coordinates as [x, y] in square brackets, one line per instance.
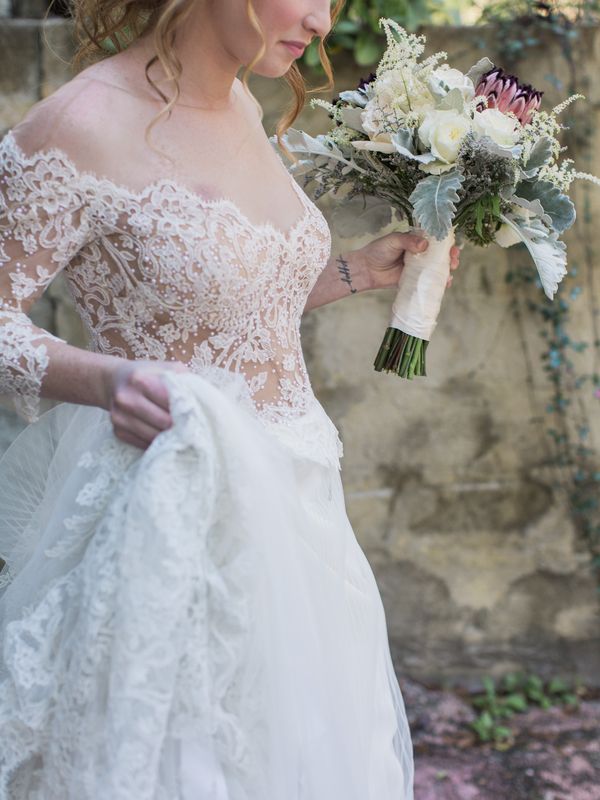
[69, 119]
[92, 122]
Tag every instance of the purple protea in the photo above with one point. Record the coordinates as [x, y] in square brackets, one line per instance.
[366, 81]
[505, 93]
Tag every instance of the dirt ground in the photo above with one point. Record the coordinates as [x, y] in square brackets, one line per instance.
[555, 754]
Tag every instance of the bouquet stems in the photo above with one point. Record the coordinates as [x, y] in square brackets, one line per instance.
[415, 310]
[401, 353]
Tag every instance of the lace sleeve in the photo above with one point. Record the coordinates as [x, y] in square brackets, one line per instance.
[42, 226]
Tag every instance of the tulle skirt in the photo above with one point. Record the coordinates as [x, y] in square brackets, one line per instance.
[195, 621]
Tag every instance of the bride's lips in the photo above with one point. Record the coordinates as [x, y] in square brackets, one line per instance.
[295, 48]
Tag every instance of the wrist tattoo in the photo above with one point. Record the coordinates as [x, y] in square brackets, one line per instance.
[344, 270]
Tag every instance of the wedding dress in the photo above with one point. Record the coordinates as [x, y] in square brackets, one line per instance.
[196, 621]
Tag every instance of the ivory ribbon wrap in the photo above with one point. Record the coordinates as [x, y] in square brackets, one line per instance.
[421, 287]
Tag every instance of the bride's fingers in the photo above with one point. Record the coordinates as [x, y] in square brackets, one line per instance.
[454, 257]
[130, 438]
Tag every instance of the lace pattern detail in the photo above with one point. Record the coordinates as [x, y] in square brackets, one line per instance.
[41, 227]
[194, 595]
[24, 361]
[161, 273]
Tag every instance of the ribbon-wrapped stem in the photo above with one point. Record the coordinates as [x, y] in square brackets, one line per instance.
[416, 308]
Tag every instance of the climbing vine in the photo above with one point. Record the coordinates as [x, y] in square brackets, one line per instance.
[572, 365]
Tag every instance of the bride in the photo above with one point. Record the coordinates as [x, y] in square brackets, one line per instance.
[185, 611]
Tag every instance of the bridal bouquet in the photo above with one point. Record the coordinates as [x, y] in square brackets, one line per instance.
[458, 156]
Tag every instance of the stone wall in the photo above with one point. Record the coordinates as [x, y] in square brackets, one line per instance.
[451, 480]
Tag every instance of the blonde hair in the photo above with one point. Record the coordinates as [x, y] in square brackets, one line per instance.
[121, 22]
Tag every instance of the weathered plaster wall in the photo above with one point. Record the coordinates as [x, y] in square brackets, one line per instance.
[450, 480]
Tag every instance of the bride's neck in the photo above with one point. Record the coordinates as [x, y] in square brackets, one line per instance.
[208, 71]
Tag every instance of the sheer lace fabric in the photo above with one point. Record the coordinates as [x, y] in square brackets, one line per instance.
[162, 273]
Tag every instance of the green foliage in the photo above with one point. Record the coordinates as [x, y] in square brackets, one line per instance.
[522, 23]
[515, 694]
[574, 457]
[480, 218]
[358, 32]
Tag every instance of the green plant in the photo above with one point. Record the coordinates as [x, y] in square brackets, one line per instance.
[514, 694]
[358, 32]
[572, 365]
[522, 23]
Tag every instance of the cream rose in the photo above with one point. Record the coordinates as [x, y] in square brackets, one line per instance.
[443, 132]
[504, 130]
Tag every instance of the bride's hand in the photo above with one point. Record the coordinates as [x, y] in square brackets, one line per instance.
[138, 401]
[381, 261]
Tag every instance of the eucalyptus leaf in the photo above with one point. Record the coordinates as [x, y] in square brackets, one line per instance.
[556, 204]
[546, 249]
[433, 201]
[362, 215]
[479, 69]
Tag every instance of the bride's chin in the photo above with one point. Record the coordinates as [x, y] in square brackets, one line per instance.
[274, 68]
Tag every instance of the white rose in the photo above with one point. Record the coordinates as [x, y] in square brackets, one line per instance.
[504, 130]
[454, 79]
[442, 132]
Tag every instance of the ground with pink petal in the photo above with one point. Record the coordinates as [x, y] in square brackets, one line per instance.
[555, 754]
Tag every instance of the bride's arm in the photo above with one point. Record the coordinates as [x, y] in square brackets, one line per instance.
[342, 276]
[377, 265]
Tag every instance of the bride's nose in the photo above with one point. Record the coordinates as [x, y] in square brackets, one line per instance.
[318, 20]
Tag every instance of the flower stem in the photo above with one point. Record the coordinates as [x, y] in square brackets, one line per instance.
[402, 354]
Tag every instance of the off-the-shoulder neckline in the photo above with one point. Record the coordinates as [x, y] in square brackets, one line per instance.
[160, 184]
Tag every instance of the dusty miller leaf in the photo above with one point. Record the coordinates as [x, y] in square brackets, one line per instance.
[557, 205]
[433, 201]
[546, 249]
[540, 154]
[355, 97]
[479, 69]
[352, 118]
[453, 101]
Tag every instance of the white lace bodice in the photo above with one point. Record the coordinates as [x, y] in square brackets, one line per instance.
[162, 273]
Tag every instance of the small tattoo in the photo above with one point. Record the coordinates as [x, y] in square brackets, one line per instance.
[344, 271]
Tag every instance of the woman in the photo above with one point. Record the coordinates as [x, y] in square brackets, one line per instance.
[185, 610]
